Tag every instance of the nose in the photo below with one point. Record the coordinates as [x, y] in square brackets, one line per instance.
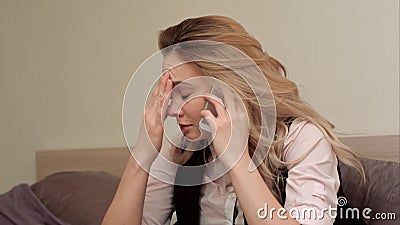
[175, 110]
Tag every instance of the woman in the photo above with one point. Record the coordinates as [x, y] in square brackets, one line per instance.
[299, 172]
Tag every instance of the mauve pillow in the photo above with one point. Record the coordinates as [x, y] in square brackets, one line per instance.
[380, 193]
[77, 197]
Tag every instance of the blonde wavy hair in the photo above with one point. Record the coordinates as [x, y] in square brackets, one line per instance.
[285, 92]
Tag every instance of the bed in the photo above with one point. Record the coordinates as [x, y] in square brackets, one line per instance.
[76, 186]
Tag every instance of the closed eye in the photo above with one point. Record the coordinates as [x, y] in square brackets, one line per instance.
[184, 97]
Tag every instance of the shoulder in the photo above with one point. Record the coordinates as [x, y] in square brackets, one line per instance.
[302, 129]
[302, 137]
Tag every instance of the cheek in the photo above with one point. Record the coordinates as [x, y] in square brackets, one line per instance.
[193, 108]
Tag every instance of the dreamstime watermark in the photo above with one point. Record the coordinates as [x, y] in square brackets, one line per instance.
[332, 212]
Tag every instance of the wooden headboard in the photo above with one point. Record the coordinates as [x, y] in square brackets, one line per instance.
[113, 160]
[110, 160]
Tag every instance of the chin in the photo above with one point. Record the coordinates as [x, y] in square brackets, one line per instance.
[192, 135]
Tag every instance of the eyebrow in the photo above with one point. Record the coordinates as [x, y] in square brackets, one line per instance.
[174, 83]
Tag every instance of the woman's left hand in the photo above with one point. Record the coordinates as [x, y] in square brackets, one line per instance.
[230, 127]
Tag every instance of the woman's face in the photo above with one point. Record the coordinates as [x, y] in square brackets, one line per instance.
[184, 106]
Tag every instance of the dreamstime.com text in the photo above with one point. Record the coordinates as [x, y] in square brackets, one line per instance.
[331, 212]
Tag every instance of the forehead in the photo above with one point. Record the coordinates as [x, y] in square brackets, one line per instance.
[180, 71]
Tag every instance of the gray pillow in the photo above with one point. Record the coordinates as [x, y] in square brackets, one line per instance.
[83, 197]
[380, 193]
[77, 197]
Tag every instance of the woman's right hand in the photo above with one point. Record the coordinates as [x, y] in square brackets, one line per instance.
[149, 141]
[127, 205]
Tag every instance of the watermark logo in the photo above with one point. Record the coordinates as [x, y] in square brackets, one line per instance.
[307, 213]
[341, 201]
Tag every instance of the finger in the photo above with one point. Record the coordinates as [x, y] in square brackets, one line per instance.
[234, 103]
[207, 124]
[150, 102]
[159, 93]
[153, 100]
[153, 106]
[210, 121]
[167, 95]
[163, 104]
[163, 82]
[217, 103]
[240, 106]
[228, 98]
[207, 114]
[168, 89]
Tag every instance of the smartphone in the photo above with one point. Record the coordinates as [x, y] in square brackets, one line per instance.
[203, 124]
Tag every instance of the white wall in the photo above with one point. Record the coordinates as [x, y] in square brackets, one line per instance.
[64, 65]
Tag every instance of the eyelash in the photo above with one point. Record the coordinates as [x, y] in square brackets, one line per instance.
[184, 97]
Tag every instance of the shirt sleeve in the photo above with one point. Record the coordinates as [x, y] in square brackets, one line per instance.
[312, 184]
[158, 202]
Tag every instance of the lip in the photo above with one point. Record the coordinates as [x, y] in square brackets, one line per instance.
[185, 126]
